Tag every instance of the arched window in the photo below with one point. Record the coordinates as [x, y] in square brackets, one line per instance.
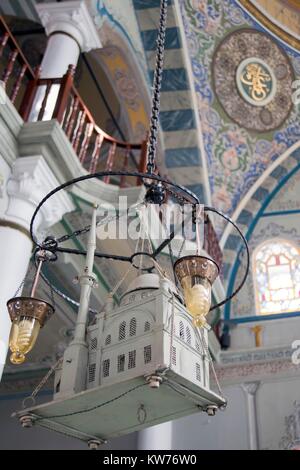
[132, 327]
[122, 331]
[276, 269]
[147, 326]
[188, 335]
[181, 330]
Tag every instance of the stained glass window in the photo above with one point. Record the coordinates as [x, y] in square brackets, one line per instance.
[277, 277]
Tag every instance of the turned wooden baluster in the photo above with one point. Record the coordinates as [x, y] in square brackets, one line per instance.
[64, 93]
[75, 130]
[3, 43]
[86, 141]
[70, 125]
[29, 95]
[143, 161]
[7, 72]
[110, 161]
[96, 154]
[125, 167]
[45, 100]
[18, 84]
[68, 114]
[78, 130]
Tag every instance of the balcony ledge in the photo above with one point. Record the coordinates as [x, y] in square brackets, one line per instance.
[48, 139]
[10, 126]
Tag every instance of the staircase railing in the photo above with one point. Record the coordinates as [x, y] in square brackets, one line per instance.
[57, 98]
[15, 71]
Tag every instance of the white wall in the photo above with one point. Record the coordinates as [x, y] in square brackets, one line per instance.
[227, 430]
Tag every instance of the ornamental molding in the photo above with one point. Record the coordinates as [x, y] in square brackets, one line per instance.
[278, 30]
[231, 358]
[260, 371]
[72, 18]
[30, 181]
[250, 388]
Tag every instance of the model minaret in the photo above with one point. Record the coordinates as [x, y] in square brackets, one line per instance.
[73, 378]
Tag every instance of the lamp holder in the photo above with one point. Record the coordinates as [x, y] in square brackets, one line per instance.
[182, 194]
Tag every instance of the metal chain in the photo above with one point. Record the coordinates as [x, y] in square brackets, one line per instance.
[43, 382]
[123, 279]
[31, 267]
[172, 331]
[157, 82]
[206, 350]
[181, 200]
[87, 228]
[52, 297]
[64, 296]
[184, 239]
[181, 248]
[96, 407]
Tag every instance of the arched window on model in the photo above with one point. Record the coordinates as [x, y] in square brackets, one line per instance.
[132, 327]
[276, 271]
[181, 331]
[122, 331]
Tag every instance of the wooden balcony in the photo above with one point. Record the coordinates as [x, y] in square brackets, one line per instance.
[34, 96]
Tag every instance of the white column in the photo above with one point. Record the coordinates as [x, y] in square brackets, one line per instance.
[250, 390]
[71, 30]
[156, 438]
[30, 181]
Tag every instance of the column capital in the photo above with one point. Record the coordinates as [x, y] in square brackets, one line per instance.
[72, 18]
[250, 387]
[30, 181]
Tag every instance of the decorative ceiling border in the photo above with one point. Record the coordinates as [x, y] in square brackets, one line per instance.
[293, 4]
[267, 23]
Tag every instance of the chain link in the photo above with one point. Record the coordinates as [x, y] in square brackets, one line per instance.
[20, 287]
[158, 75]
[211, 362]
[87, 228]
[42, 382]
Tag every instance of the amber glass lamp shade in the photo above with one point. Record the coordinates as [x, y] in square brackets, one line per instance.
[28, 315]
[196, 275]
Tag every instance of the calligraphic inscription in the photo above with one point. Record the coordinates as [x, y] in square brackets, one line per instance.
[256, 81]
[252, 80]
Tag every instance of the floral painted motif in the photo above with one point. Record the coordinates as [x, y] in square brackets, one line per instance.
[235, 156]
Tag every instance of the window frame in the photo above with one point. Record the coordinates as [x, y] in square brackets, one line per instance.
[256, 289]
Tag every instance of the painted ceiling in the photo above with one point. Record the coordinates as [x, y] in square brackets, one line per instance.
[215, 151]
[216, 142]
[236, 156]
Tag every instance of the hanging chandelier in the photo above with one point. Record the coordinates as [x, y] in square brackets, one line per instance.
[87, 362]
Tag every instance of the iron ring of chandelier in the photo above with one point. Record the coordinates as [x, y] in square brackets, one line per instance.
[183, 194]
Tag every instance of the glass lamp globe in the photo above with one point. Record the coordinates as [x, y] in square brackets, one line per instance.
[196, 275]
[28, 316]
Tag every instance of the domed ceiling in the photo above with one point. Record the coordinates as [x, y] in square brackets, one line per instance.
[243, 78]
[281, 16]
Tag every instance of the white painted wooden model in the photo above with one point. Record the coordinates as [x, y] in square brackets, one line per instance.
[139, 364]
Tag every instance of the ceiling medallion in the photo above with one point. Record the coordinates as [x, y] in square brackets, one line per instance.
[251, 76]
[256, 81]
